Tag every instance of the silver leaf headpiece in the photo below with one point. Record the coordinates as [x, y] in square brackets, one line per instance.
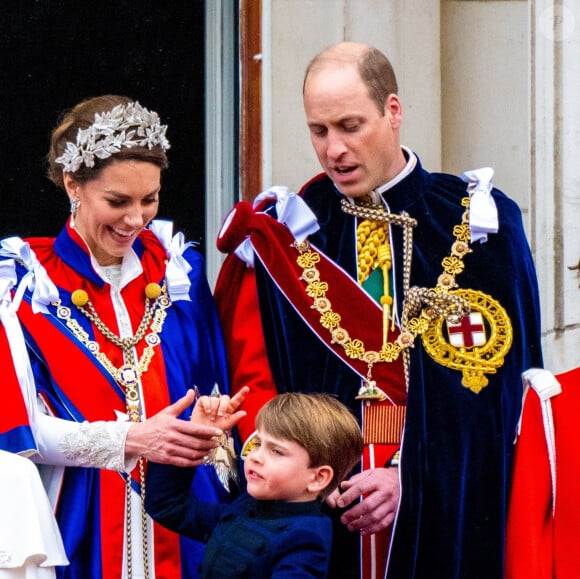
[124, 126]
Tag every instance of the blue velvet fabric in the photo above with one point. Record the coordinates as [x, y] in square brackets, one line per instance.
[457, 449]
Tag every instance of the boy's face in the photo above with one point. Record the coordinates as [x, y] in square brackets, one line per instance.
[278, 469]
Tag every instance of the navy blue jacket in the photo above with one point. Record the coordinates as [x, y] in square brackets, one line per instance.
[247, 538]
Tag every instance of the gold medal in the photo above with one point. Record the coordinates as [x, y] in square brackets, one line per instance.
[475, 361]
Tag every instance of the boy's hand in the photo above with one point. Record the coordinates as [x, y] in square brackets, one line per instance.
[220, 411]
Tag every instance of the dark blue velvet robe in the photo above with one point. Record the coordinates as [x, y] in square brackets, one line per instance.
[457, 447]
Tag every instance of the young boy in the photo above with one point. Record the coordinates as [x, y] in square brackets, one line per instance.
[304, 446]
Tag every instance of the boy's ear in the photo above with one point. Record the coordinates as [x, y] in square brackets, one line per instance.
[321, 478]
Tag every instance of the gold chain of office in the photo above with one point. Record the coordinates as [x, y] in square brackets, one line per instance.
[420, 306]
[127, 376]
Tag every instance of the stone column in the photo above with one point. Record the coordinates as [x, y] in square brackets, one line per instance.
[555, 174]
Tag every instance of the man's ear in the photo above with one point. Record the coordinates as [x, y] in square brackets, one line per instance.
[394, 110]
[321, 477]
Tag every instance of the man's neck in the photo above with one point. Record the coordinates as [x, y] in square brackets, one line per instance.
[376, 193]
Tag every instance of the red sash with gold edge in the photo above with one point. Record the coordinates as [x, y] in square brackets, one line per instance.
[272, 243]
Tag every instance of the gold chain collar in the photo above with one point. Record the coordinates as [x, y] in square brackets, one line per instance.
[127, 376]
[420, 306]
[474, 363]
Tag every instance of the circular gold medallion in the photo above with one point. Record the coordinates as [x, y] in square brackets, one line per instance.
[472, 347]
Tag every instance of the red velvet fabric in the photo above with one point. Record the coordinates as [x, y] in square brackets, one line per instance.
[542, 545]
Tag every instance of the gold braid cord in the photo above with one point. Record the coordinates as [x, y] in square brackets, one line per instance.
[425, 309]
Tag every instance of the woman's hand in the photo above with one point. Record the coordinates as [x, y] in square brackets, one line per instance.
[167, 439]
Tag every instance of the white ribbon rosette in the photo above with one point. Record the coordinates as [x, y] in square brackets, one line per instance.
[482, 208]
[292, 212]
[44, 292]
[178, 283]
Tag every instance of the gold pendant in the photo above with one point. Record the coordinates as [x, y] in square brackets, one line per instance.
[474, 357]
[369, 389]
[128, 377]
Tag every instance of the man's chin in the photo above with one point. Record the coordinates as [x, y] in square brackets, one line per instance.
[351, 191]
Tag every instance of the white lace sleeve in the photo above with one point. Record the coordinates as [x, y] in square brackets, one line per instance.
[99, 444]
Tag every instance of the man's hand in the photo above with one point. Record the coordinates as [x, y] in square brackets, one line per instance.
[379, 488]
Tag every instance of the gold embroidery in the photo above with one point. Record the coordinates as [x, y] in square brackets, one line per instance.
[474, 362]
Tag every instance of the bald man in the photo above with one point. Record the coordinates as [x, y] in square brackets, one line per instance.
[409, 295]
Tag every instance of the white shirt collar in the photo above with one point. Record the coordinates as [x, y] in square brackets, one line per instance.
[407, 170]
[131, 268]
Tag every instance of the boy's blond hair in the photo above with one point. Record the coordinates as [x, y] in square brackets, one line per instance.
[319, 423]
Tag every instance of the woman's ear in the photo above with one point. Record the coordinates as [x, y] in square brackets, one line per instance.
[321, 477]
[71, 185]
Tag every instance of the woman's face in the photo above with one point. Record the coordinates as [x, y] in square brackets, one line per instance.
[115, 207]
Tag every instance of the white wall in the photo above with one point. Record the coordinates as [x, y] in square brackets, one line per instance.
[485, 90]
[555, 143]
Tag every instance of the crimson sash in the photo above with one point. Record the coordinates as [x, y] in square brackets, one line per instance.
[360, 314]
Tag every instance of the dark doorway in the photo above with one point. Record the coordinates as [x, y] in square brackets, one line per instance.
[54, 53]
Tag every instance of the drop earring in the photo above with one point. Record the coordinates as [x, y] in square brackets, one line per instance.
[75, 203]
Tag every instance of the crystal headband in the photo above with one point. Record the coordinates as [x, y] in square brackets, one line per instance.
[124, 126]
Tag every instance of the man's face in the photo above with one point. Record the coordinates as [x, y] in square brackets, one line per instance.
[356, 145]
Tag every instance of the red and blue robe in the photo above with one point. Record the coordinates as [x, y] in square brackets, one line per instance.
[75, 386]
